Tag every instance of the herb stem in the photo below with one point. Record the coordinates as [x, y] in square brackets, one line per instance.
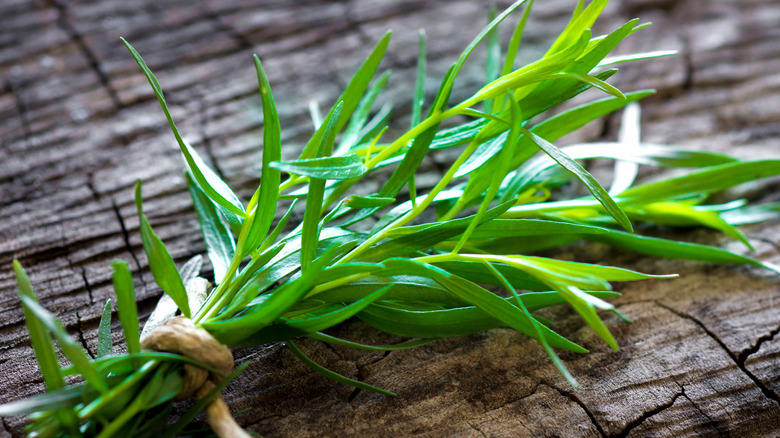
[416, 210]
[216, 300]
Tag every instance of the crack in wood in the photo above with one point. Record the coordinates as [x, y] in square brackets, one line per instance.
[571, 396]
[757, 346]
[739, 363]
[86, 283]
[712, 421]
[646, 416]
[360, 376]
[473, 426]
[82, 339]
[92, 60]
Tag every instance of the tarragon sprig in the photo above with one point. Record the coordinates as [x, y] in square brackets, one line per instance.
[424, 264]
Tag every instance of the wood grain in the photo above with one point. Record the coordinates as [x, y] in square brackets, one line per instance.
[78, 126]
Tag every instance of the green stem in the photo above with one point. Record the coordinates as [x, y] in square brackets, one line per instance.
[415, 211]
[216, 299]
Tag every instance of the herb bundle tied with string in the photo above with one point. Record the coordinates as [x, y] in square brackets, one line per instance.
[443, 262]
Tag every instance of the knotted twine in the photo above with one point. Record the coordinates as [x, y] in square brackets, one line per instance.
[179, 335]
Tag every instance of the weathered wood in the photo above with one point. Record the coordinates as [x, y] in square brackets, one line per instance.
[78, 125]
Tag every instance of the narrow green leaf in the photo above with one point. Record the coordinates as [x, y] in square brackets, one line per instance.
[39, 336]
[594, 82]
[354, 132]
[125, 303]
[406, 240]
[43, 346]
[492, 60]
[666, 248]
[584, 176]
[54, 399]
[105, 345]
[441, 100]
[708, 180]
[579, 23]
[344, 343]
[419, 85]
[160, 262]
[350, 98]
[290, 329]
[217, 235]
[612, 60]
[339, 167]
[211, 184]
[511, 52]
[310, 229]
[485, 300]
[72, 350]
[270, 179]
[332, 374]
[356, 201]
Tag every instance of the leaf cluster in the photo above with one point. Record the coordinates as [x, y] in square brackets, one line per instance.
[446, 261]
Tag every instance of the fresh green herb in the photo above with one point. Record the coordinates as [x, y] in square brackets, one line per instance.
[374, 256]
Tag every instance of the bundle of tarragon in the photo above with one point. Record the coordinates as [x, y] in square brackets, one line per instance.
[449, 261]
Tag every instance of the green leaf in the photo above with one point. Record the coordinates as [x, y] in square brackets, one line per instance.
[511, 51]
[419, 84]
[43, 346]
[334, 375]
[217, 235]
[125, 303]
[584, 176]
[344, 343]
[666, 248]
[492, 63]
[357, 202]
[533, 72]
[160, 262]
[505, 228]
[263, 213]
[485, 300]
[310, 228]
[354, 132]
[421, 237]
[62, 398]
[105, 345]
[617, 59]
[350, 98]
[339, 167]
[441, 100]
[579, 23]
[709, 180]
[290, 329]
[72, 350]
[211, 184]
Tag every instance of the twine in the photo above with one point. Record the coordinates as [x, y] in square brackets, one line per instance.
[179, 335]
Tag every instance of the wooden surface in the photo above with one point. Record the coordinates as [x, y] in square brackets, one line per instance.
[78, 125]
